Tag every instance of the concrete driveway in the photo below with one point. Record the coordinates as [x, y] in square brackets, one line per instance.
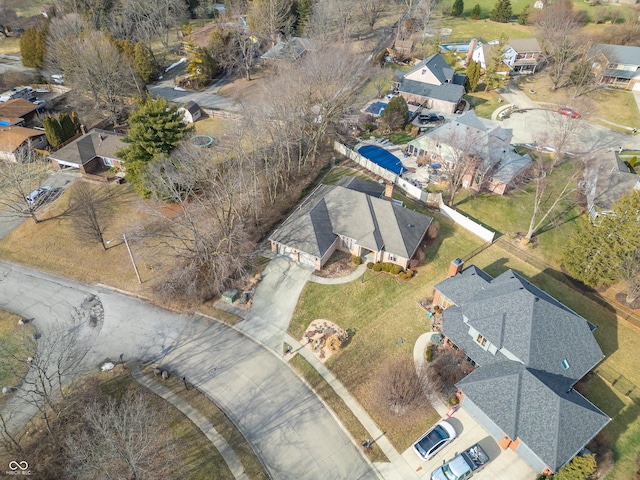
[288, 426]
[504, 464]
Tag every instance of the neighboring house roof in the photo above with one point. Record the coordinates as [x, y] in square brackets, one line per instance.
[12, 137]
[620, 54]
[485, 139]
[18, 107]
[373, 223]
[448, 92]
[437, 65]
[543, 349]
[292, 48]
[200, 37]
[7, 121]
[606, 179]
[523, 45]
[96, 143]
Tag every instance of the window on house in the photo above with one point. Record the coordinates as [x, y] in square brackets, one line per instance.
[481, 340]
[107, 162]
[391, 257]
[565, 364]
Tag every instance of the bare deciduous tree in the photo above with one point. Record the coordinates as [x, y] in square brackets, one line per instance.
[205, 228]
[630, 273]
[17, 180]
[93, 64]
[447, 368]
[398, 387]
[370, 11]
[270, 18]
[558, 25]
[122, 439]
[91, 208]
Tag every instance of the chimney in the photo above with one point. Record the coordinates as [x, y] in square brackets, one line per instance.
[455, 267]
[388, 191]
[472, 46]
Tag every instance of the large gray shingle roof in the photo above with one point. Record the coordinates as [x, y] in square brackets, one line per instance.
[374, 223]
[95, 143]
[449, 92]
[616, 53]
[526, 387]
[555, 424]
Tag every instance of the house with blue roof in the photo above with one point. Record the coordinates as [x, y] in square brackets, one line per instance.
[529, 350]
[431, 83]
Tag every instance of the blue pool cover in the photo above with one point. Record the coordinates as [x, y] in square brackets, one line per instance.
[381, 157]
[376, 108]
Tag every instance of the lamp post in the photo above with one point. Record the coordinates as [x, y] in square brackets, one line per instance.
[133, 262]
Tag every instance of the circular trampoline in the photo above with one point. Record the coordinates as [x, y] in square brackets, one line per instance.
[202, 141]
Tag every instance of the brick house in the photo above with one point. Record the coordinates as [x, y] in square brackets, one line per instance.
[91, 152]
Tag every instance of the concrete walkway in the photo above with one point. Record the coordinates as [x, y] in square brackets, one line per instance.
[228, 454]
[357, 273]
[399, 468]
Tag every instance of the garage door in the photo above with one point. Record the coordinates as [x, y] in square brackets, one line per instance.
[300, 257]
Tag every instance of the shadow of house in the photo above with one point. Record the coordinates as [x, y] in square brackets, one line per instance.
[530, 350]
[91, 153]
[15, 140]
[432, 83]
[350, 216]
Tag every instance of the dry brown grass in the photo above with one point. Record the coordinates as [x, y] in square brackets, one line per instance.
[223, 425]
[54, 247]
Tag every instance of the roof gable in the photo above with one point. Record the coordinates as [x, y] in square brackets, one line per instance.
[97, 142]
[12, 137]
[372, 222]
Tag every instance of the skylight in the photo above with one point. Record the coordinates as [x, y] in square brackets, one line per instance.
[565, 364]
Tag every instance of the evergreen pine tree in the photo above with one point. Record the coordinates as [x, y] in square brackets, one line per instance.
[523, 18]
[502, 11]
[32, 47]
[303, 12]
[201, 67]
[155, 129]
[458, 8]
[476, 13]
[143, 62]
[473, 74]
[53, 131]
[76, 121]
[67, 126]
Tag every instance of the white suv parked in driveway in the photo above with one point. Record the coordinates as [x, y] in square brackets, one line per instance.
[38, 195]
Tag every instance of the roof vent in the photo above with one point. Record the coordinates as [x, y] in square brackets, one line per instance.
[565, 364]
[410, 225]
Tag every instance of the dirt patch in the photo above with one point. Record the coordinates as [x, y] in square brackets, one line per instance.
[339, 265]
[622, 299]
[319, 339]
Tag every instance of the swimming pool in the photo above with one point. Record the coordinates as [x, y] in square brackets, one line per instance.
[376, 108]
[381, 157]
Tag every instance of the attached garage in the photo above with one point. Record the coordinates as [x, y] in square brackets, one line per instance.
[302, 258]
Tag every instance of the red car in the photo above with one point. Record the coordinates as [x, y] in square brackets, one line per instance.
[568, 112]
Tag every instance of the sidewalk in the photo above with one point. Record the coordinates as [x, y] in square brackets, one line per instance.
[398, 468]
[228, 454]
[357, 273]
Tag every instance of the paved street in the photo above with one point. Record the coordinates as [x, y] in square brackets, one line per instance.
[289, 427]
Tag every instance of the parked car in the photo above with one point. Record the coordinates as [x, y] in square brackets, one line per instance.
[434, 440]
[568, 112]
[463, 466]
[39, 195]
[429, 118]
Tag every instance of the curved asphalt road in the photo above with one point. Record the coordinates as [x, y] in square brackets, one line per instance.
[288, 426]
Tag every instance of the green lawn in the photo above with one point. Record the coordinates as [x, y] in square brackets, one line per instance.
[485, 30]
[483, 103]
[378, 310]
[511, 213]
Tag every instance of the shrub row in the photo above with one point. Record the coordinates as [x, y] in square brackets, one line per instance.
[391, 268]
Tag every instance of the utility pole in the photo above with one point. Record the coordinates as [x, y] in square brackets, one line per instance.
[133, 262]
